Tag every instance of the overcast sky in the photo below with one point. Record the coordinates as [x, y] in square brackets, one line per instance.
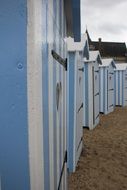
[105, 18]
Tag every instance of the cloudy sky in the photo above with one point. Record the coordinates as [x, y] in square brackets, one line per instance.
[105, 18]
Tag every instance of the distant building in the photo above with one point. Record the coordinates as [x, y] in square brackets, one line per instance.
[115, 50]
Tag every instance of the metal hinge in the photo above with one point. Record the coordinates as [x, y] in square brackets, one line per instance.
[111, 105]
[111, 89]
[96, 94]
[80, 107]
[79, 143]
[81, 69]
[59, 59]
[62, 171]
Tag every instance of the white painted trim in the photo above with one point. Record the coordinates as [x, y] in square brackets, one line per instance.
[58, 131]
[34, 87]
[50, 93]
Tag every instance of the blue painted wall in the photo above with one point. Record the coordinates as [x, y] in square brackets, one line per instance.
[71, 79]
[86, 96]
[13, 95]
[14, 161]
[76, 20]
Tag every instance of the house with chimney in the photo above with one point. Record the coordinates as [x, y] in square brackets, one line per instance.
[115, 50]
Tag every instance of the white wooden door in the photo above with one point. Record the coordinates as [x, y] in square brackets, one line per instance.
[79, 116]
[125, 88]
[110, 87]
[95, 94]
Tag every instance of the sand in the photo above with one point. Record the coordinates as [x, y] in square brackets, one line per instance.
[103, 163]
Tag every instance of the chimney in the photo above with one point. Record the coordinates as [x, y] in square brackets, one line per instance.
[99, 46]
[99, 40]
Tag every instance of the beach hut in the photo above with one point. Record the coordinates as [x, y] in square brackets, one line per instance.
[91, 90]
[121, 84]
[33, 64]
[76, 51]
[107, 86]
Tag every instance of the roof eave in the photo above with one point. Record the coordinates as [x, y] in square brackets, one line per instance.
[99, 60]
[86, 50]
[113, 64]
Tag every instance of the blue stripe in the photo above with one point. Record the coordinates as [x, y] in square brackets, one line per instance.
[86, 103]
[76, 20]
[71, 109]
[119, 87]
[99, 89]
[54, 99]
[14, 166]
[60, 71]
[123, 100]
[104, 90]
[45, 102]
[60, 17]
[60, 122]
[115, 88]
[86, 95]
[107, 91]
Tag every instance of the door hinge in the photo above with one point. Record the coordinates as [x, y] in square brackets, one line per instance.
[59, 59]
[62, 171]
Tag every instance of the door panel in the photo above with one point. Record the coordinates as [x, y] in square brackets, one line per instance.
[110, 87]
[110, 81]
[96, 95]
[96, 82]
[79, 115]
[96, 107]
[110, 98]
[125, 89]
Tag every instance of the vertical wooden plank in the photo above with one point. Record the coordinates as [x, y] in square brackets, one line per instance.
[34, 82]
[50, 90]
[93, 95]
[107, 92]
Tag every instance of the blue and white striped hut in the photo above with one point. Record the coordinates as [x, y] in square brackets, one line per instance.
[76, 51]
[107, 85]
[33, 92]
[91, 90]
[121, 84]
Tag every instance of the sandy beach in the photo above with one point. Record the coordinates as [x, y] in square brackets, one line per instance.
[103, 163]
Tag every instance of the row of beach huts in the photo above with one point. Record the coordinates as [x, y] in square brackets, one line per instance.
[95, 87]
[51, 86]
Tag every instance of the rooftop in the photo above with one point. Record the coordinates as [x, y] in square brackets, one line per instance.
[116, 50]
